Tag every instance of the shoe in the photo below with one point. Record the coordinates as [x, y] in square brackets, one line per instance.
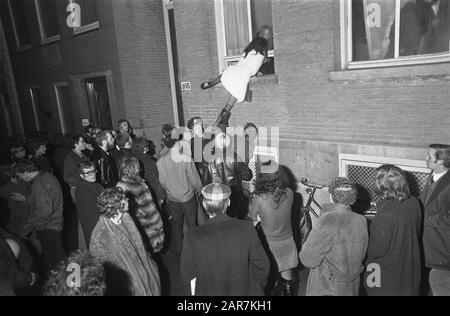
[206, 85]
[288, 287]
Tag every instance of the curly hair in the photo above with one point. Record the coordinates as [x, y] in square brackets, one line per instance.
[92, 277]
[391, 183]
[343, 191]
[111, 201]
[273, 185]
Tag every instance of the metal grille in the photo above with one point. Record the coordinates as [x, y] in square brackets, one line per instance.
[364, 177]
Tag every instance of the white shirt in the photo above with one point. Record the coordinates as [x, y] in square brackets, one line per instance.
[437, 176]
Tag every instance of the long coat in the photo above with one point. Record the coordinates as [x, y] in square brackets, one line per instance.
[226, 258]
[395, 246]
[436, 235]
[334, 252]
[143, 209]
[86, 196]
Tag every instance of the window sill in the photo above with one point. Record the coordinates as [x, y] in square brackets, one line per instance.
[405, 73]
[51, 40]
[264, 80]
[86, 28]
[24, 48]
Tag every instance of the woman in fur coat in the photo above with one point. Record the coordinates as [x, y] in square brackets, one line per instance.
[142, 206]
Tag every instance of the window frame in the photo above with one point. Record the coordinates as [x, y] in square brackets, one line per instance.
[33, 104]
[88, 27]
[347, 46]
[19, 46]
[56, 86]
[44, 38]
[221, 36]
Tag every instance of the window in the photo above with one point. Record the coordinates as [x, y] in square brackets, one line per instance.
[35, 97]
[48, 20]
[17, 10]
[67, 124]
[89, 20]
[380, 33]
[238, 22]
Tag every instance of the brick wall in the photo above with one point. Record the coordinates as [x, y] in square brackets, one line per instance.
[129, 48]
[318, 117]
[142, 49]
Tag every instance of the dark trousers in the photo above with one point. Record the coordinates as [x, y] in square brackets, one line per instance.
[181, 211]
[52, 247]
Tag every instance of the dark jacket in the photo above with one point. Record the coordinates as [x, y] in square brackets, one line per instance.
[120, 155]
[436, 235]
[16, 276]
[42, 163]
[107, 174]
[151, 176]
[71, 168]
[19, 212]
[231, 170]
[144, 211]
[394, 244]
[86, 200]
[226, 257]
[46, 202]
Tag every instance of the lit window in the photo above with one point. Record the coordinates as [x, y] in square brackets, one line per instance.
[379, 33]
[48, 20]
[17, 10]
[238, 22]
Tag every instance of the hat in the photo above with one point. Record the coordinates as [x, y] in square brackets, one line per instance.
[216, 192]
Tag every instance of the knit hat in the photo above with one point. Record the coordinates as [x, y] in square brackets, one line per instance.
[216, 192]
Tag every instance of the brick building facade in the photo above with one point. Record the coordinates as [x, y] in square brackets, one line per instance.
[321, 109]
[128, 50]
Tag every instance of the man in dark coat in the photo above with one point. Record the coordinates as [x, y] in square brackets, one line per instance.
[436, 236]
[223, 257]
[124, 143]
[86, 199]
[107, 174]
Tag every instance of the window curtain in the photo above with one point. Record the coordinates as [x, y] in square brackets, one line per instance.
[236, 26]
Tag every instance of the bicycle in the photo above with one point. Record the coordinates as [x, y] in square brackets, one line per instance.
[305, 218]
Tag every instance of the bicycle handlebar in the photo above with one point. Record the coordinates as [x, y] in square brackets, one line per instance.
[305, 182]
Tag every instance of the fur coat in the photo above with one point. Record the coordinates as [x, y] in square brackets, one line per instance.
[334, 252]
[144, 211]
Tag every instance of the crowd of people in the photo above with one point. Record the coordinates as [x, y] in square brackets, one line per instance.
[228, 223]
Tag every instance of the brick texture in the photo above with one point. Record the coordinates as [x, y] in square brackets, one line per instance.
[308, 107]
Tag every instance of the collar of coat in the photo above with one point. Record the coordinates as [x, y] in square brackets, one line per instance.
[133, 185]
[441, 184]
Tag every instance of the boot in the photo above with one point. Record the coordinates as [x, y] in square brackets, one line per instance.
[288, 287]
[222, 120]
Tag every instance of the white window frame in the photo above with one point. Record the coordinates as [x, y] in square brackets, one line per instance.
[33, 104]
[221, 36]
[85, 28]
[57, 85]
[44, 38]
[347, 45]
[20, 47]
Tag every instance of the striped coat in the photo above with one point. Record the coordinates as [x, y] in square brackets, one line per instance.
[144, 212]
